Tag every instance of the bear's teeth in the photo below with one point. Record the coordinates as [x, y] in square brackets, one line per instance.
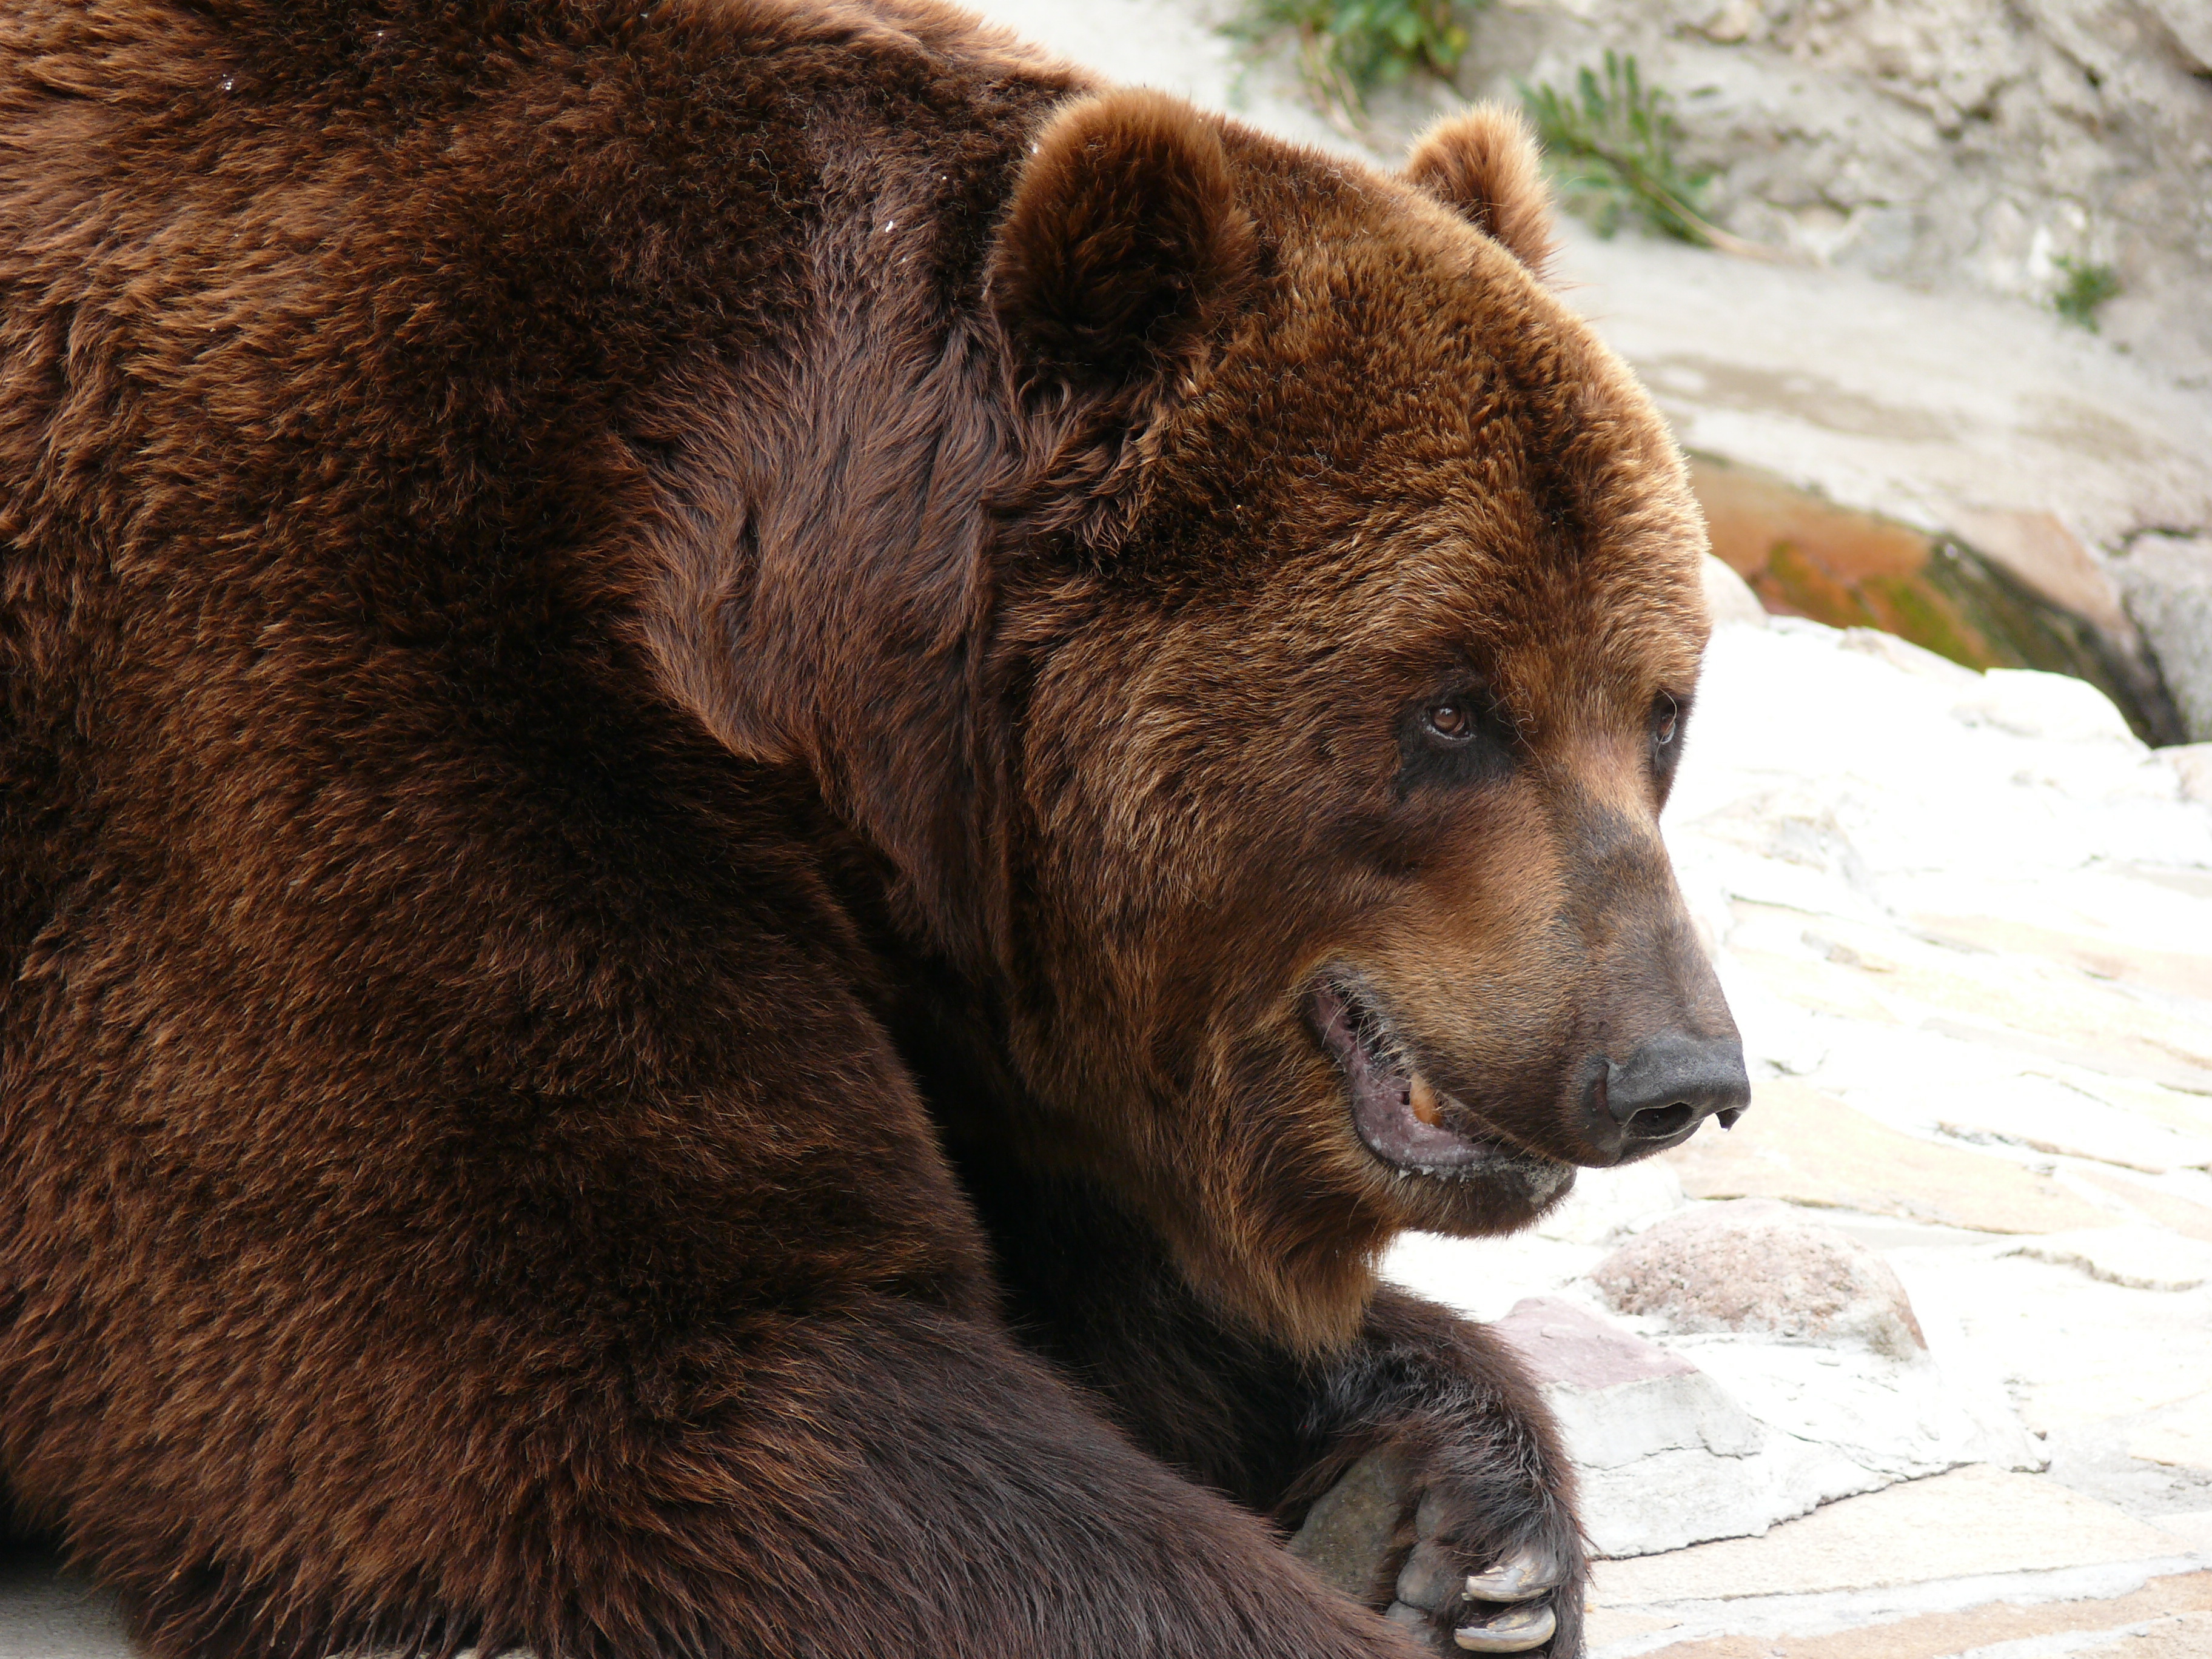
[1422, 1098]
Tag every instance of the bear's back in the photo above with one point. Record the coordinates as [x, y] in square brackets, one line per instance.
[354, 358]
[350, 841]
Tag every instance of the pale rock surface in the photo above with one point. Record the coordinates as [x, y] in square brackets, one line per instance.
[2076, 1353]
[2028, 704]
[2193, 1525]
[2167, 579]
[1757, 1267]
[2140, 1257]
[1664, 1456]
[1857, 1421]
[2189, 1636]
[1903, 653]
[2193, 762]
[1964, 143]
[1805, 1147]
[47, 1614]
[2180, 1438]
[1939, 1569]
[1729, 598]
[1972, 1522]
[1607, 1205]
[2028, 1623]
[2176, 1202]
[1717, 1437]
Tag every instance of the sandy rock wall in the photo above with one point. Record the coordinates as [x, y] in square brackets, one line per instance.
[1934, 141]
[2167, 579]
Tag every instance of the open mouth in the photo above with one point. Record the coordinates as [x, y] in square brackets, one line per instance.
[1401, 1117]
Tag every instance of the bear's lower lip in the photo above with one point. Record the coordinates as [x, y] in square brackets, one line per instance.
[1388, 1096]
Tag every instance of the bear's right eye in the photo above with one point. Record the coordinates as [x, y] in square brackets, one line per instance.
[1454, 738]
[1451, 719]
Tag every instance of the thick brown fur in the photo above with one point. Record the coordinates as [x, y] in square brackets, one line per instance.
[692, 691]
[1482, 163]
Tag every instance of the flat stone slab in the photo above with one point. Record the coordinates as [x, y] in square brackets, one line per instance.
[45, 1613]
[1670, 1452]
[1799, 1144]
[1970, 1522]
[2187, 1636]
[2138, 1257]
[2157, 1621]
[2182, 1439]
[1664, 1454]
[2183, 973]
[1570, 1347]
[2168, 1210]
[2042, 1116]
[2076, 1351]
[2195, 1525]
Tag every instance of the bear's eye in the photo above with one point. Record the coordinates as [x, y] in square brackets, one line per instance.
[1451, 719]
[1665, 716]
[1453, 738]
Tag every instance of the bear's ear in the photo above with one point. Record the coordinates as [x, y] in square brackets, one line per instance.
[1484, 165]
[1123, 247]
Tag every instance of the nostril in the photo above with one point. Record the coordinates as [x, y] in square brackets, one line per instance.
[1659, 1122]
[1671, 1084]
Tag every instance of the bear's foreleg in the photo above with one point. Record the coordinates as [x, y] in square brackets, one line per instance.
[1417, 1467]
[881, 1478]
[1445, 1490]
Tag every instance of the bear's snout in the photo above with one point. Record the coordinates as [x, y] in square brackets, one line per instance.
[1663, 1092]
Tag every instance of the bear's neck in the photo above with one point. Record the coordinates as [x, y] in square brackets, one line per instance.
[820, 584]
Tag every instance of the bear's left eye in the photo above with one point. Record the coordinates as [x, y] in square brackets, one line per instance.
[1665, 717]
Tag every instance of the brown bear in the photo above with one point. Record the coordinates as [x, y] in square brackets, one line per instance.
[769, 784]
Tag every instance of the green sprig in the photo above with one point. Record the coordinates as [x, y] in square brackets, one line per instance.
[2088, 286]
[1611, 145]
[1347, 48]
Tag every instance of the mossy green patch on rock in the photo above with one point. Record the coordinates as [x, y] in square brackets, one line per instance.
[1805, 556]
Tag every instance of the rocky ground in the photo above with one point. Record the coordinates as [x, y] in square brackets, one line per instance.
[1917, 1360]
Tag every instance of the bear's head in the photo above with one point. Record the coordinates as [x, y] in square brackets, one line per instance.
[1343, 631]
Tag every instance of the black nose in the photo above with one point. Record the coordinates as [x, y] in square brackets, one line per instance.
[1673, 1083]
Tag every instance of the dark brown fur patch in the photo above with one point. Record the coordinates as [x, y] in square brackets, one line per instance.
[1123, 243]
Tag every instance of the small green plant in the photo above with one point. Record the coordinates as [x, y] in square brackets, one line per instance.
[1611, 145]
[1346, 48]
[2088, 286]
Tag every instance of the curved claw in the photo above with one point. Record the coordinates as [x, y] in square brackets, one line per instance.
[1523, 1579]
[1515, 1631]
